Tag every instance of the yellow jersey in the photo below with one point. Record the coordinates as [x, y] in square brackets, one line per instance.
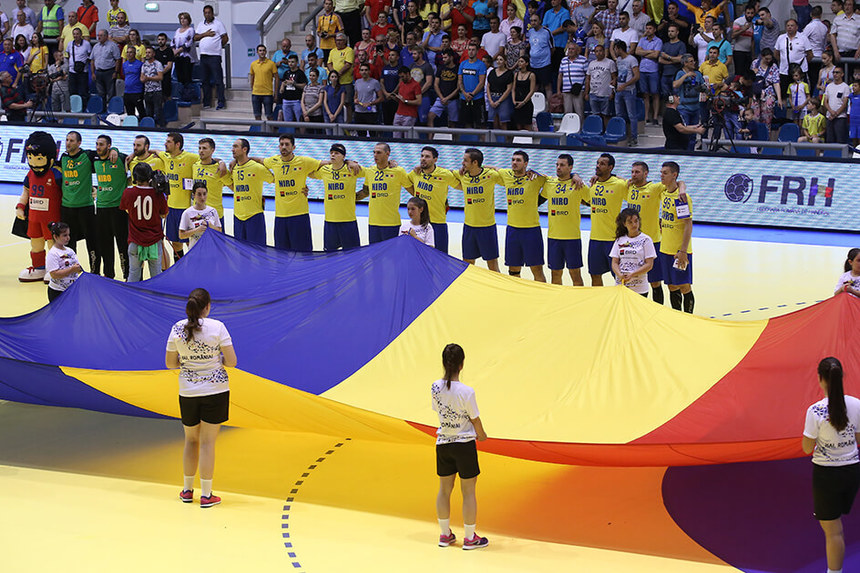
[433, 188]
[214, 184]
[522, 195]
[563, 201]
[480, 197]
[248, 180]
[153, 160]
[290, 179]
[606, 198]
[265, 73]
[384, 186]
[180, 173]
[646, 199]
[338, 192]
[672, 226]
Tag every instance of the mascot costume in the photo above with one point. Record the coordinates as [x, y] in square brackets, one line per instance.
[41, 199]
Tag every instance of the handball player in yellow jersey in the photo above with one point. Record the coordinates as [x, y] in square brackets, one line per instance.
[676, 249]
[479, 231]
[431, 183]
[292, 215]
[340, 230]
[382, 183]
[208, 170]
[606, 194]
[178, 165]
[249, 221]
[565, 193]
[645, 196]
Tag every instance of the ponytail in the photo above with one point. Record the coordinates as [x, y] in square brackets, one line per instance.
[58, 228]
[852, 254]
[198, 300]
[452, 361]
[830, 370]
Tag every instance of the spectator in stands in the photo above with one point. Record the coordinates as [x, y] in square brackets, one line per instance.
[66, 36]
[600, 79]
[432, 38]
[714, 71]
[649, 49]
[280, 57]
[79, 57]
[131, 70]
[825, 74]
[553, 21]
[481, 24]
[689, 84]
[313, 63]
[515, 47]
[392, 43]
[5, 24]
[366, 43]
[672, 16]
[816, 34]
[571, 80]
[114, 12]
[445, 87]
[135, 41]
[13, 100]
[446, 45]
[371, 9]
[313, 98]
[802, 9]
[679, 134]
[425, 79]
[341, 60]
[380, 30]
[813, 125]
[703, 38]
[334, 100]
[212, 37]
[525, 85]
[405, 56]
[625, 93]
[39, 57]
[412, 21]
[624, 33]
[770, 29]
[836, 103]
[263, 77]
[597, 38]
[58, 72]
[32, 19]
[609, 17]
[105, 65]
[350, 14]
[118, 31]
[310, 48]
[742, 37]
[458, 13]
[51, 20]
[540, 52]
[88, 15]
[151, 74]
[798, 95]
[724, 47]
[511, 20]
[705, 10]
[793, 49]
[22, 27]
[638, 18]
[409, 98]
[671, 58]
[767, 78]
[471, 76]
[748, 127]
[329, 25]
[184, 52]
[368, 95]
[845, 34]
[494, 40]
[164, 54]
[22, 46]
[293, 84]
[500, 84]
[390, 81]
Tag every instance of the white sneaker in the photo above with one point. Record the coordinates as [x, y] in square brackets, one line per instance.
[32, 275]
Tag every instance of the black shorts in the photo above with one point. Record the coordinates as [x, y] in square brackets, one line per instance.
[212, 409]
[834, 489]
[457, 458]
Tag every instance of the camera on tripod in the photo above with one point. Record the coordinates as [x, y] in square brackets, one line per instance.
[160, 183]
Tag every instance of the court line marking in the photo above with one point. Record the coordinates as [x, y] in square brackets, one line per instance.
[285, 516]
[767, 308]
[21, 242]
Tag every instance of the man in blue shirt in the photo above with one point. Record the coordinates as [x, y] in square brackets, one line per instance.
[471, 77]
[10, 60]
[553, 21]
[311, 43]
[133, 97]
[688, 84]
[540, 52]
[281, 57]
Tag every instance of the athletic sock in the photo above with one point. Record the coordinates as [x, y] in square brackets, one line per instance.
[676, 299]
[469, 532]
[176, 256]
[187, 483]
[206, 486]
[689, 302]
[657, 294]
[445, 526]
[834, 570]
[514, 273]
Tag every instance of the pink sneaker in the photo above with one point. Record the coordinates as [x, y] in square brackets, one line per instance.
[186, 495]
[476, 542]
[209, 501]
[446, 540]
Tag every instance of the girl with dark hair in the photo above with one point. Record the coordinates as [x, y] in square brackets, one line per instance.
[524, 89]
[61, 263]
[830, 435]
[419, 224]
[201, 347]
[456, 452]
[633, 253]
[850, 280]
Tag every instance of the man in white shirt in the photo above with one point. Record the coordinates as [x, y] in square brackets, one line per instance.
[845, 33]
[638, 18]
[493, 40]
[792, 49]
[212, 36]
[742, 39]
[624, 33]
[835, 102]
[22, 27]
[816, 33]
[702, 38]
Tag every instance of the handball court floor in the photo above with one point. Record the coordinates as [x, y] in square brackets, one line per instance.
[86, 491]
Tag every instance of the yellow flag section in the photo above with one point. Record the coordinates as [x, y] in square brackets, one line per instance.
[550, 363]
[254, 403]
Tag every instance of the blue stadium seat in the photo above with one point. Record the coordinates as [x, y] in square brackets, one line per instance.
[70, 120]
[788, 132]
[771, 150]
[130, 121]
[741, 149]
[146, 122]
[544, 121]
[77, 104]
[116, 105]
[834, 153]
[95, 104]
[616, 130]
[286, 130]
[468, 138]
[573, 140]
[255, 128]
[594, 140]
[804, 152]
[762, 133]
[171, 111]
[593, 125]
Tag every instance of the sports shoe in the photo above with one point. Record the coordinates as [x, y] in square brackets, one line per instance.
[221, 106]
[32, 275]
[476, 542]
[209, 501]
[186, 495]
[446, 540]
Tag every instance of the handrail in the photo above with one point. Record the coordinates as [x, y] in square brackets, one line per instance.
[278, 7]
[789, 146]
[312, 17]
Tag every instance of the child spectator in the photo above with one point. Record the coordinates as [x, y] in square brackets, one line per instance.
[813, 124]
[798, 94]
[749, 126]
[854, 114]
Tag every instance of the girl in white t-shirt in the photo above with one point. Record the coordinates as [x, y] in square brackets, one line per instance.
[633, 253]
[850, 280]
[61, 263]
[201, 347]
[199, 217]
[456, 452]
[830, 435]
[419, 225]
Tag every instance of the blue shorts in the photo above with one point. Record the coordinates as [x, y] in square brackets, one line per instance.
[171, 225]
[293, 233]
[340, 236]
[440, 233]
[480, 242]
[655, 275]
[673, 276]
[562, 253]
[666, 87]
[649, 82]
[523, 247]
[599, 261]
[452, 107]
[424, 109]
[854, 131]
[252, 230]
[599, 104]
[505, 110]
[379, 233]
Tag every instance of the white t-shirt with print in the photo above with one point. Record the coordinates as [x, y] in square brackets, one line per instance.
[847, 278]
[833, 448]
[201, 372]
[457, 408]
[57, 259]
[632, 255]
[193, 219]
[424, 234]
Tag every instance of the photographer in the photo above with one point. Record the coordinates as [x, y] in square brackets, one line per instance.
[58, 75]
[690, 86]
[146, 204]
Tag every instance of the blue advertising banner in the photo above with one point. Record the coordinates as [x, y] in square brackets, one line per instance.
[730, 189]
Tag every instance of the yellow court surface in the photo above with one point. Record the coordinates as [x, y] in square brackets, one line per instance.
[89, 491]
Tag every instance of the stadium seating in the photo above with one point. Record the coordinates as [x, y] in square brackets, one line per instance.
[616, 130]
[95, 104]
[593, 126]
[788, 132]
[77, 104]
[130, 121]
[147, 122]
[116, 105]
[539, 102]
[171, 111]
[570, 123]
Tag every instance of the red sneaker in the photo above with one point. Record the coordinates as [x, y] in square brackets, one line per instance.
[209, 501]
[446, 540]
[186, 495]
[476, 542]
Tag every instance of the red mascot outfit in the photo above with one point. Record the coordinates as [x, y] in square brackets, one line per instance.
[43, 194]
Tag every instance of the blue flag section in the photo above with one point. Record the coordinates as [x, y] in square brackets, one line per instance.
[305, 320]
